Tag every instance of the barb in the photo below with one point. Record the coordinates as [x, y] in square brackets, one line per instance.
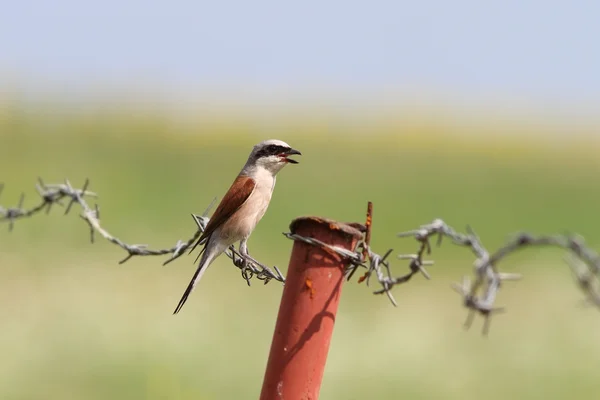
[52, 194]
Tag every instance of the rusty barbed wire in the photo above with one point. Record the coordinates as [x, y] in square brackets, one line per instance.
[52, 194]
[479, 296]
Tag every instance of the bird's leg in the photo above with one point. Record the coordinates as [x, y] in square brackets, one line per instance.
[244, 252]
[248, 258]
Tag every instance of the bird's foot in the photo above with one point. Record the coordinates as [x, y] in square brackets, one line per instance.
[251, 267]
[248, 260]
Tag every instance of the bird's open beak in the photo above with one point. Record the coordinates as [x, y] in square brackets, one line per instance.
[291, 152]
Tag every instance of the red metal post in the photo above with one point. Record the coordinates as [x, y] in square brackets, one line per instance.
[307, 311]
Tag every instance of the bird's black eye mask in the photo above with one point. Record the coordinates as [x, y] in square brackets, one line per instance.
[278, 151]
[272, 150]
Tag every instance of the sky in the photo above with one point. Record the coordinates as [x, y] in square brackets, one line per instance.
[539, 51]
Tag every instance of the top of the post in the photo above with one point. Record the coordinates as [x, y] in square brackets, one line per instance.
[350, 229]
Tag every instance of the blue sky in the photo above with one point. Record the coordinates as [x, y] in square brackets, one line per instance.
[542, 50]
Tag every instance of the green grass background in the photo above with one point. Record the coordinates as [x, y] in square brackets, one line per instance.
[76, 325]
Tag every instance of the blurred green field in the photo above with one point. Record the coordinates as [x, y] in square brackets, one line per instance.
[76, 325]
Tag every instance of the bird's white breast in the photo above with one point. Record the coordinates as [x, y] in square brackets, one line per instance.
[244, 220]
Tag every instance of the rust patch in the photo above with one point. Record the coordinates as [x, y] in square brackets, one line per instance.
[368, 233]
[367, 241]
[309, 287]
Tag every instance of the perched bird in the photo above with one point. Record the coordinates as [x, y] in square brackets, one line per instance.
[242, 207]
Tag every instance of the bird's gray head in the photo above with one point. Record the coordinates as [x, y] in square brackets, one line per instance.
[272, 155]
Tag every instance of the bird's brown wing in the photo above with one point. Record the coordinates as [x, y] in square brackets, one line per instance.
[241, 188]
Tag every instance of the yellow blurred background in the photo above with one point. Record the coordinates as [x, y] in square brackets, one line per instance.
[78, 325]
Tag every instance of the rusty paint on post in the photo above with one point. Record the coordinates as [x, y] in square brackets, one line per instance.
[307, 311]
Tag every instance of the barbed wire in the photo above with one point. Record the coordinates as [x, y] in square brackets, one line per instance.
[52, 194]
[478, 296]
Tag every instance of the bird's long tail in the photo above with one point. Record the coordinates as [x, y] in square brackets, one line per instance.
[205, 261]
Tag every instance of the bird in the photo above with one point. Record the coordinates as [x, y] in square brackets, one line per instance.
[242, 207]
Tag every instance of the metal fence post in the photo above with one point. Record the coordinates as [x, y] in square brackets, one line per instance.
[307, 311]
